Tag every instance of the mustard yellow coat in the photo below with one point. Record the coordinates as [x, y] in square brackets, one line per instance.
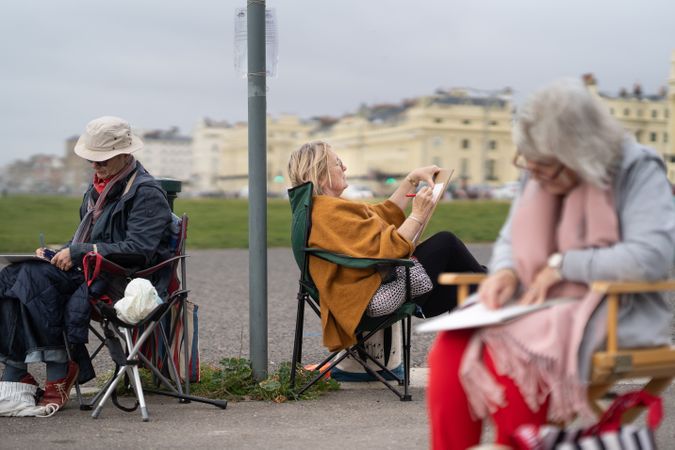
[359, 230]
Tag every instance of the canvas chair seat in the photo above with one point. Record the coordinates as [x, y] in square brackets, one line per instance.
[655, 365]
[301, 208]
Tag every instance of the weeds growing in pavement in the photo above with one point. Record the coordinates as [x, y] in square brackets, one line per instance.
[232, 380]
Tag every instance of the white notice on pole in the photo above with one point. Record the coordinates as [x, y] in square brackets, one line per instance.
[271, 42]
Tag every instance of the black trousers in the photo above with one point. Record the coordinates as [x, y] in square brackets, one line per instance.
[443, 252]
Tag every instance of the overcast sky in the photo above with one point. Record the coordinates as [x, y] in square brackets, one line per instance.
[160, 63]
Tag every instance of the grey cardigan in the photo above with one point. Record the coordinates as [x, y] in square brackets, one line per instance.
[646, 214]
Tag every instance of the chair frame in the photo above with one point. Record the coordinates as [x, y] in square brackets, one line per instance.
[113, 328]
[306, 295]
[657, 364]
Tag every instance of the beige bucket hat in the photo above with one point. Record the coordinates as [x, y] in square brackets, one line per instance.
[105, 138]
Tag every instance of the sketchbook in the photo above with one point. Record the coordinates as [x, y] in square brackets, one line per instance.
[476, 315]
[441, 181]
[16, 258]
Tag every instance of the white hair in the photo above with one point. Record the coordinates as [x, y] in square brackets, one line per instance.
[566, 122]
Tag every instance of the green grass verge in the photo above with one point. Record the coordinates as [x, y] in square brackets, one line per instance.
[232, 380]
[219, 223]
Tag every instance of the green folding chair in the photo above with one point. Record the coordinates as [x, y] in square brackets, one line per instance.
[301, 207]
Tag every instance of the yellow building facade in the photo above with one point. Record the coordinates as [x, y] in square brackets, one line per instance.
[649, 117]
[461, 129]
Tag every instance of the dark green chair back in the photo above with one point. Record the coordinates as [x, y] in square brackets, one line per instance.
[300, 198]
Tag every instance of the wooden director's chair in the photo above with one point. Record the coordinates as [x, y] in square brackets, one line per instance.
[655, 365]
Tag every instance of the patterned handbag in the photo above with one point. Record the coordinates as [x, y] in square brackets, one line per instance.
[608, 433]
[390, 295]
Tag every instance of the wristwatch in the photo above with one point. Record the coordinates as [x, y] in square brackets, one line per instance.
[555, 262]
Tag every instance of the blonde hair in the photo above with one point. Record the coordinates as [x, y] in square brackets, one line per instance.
[566, 122]
[310, 163]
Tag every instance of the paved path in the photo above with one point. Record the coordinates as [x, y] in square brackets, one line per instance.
[218, 280]
[353, 417]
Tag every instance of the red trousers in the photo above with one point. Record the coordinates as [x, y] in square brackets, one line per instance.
[451, 424]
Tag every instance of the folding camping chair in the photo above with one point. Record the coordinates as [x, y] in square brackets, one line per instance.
[655, 365]
[301, 207]
[104, 277]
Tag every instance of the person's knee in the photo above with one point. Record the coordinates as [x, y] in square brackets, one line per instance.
[447, 239]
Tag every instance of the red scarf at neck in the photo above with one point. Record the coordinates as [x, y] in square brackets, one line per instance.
[100, 184]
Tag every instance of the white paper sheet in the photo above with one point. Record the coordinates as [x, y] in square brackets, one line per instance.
[477, 315]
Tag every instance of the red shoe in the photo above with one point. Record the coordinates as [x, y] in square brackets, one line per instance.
[58, 391]
[28, 379]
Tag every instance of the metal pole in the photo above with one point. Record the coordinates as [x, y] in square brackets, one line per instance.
[257, 188]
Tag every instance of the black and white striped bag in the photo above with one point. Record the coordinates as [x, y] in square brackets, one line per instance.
[607, 434]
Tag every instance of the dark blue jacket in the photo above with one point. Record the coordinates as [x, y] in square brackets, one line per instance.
[136, 223]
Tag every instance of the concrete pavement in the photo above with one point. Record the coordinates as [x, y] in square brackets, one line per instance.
[353, 417]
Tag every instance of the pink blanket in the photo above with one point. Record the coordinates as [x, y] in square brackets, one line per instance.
[540, 351]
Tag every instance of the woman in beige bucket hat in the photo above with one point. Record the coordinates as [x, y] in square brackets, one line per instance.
[124, 211]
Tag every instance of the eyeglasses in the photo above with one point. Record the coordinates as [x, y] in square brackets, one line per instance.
[99, 163]
[340, 164]
[543, 170]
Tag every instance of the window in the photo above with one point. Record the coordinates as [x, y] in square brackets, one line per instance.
[638, 135]
[652, 137]
[626, 112]
[436, 160]
[494, 123]
[437, 141]
[666, 113]
[639, 113]
[665, 137]
[466, 122]
[493, 145]
[490, 172]
[464, 168]
[655, 114]
[438, 120]
[466, 143]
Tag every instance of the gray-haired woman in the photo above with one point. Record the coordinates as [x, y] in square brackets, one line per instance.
[594, 204]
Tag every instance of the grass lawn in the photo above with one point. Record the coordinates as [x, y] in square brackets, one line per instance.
[219, 223]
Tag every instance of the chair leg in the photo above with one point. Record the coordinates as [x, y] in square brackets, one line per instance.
[108, 393]
[186, 359]
[407, 325]
[135, 378]
[297, 343]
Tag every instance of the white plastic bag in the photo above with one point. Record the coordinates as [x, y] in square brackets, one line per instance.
[140, 299]
[18, 399]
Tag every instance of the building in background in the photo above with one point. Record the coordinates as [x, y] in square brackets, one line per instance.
[41, 174]
[220, 149]
[467, 130]
[167, 154]
[463, 129]
[649, 117]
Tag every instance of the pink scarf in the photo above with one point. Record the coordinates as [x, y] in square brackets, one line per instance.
[540, 351]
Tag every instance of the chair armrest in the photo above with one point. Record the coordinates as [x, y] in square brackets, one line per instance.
[458, 279]
[150, 270]
[632, 287]
[612, 289]
[356, 263]
[107, 265]
[462, 281]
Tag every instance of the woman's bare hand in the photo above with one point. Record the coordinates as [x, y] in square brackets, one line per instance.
[498, 288]
[425, 174]
[545, 280]
[62, 260]
[422, 202]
